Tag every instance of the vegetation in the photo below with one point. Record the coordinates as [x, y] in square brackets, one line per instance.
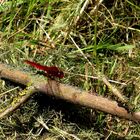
[70, 34]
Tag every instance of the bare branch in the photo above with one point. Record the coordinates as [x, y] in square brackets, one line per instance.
[69, 93]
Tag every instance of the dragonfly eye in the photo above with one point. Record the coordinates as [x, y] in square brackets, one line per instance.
[60, 74]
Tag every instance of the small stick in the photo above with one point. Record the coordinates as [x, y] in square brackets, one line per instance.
[12, 108]
[66, 92]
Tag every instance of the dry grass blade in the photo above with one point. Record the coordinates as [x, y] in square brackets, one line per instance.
[114, 90]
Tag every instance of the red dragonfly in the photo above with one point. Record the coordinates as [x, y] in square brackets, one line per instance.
[51, 71]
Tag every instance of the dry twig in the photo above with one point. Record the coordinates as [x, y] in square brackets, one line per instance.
[68, 93]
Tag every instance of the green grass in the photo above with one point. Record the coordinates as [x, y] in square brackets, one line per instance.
[108, 37]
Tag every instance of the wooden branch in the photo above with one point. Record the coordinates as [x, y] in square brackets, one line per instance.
[11, 108]
[69, 93]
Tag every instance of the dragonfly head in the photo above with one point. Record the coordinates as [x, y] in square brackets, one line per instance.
[60, 74]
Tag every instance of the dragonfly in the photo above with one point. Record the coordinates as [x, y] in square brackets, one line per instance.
[50, 71]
